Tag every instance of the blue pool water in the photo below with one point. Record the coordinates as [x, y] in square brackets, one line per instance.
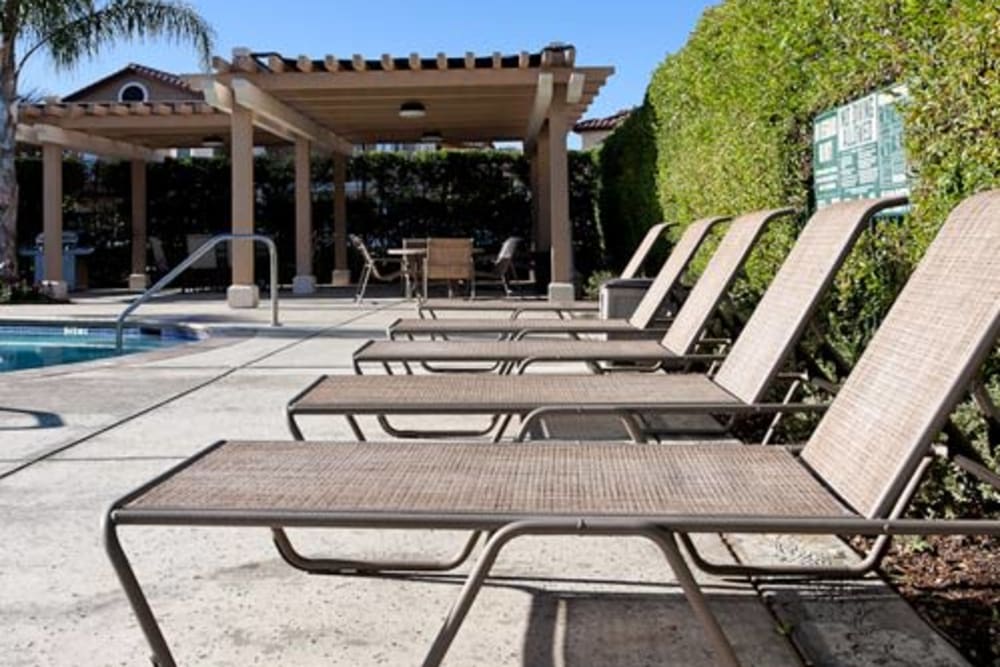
[34, 346]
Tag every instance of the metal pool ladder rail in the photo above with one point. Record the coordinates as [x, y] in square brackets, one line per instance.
[272, 251]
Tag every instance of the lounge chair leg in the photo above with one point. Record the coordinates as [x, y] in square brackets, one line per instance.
[355, 428]
[472, 586]
[293, 426]
[292, 556]
[724, 654]
[415, 433]
[140, 606]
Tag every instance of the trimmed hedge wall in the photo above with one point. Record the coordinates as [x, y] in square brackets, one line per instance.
[483, 194]
[726, 127]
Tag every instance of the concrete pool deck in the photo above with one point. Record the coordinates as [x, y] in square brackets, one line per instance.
[73, 438]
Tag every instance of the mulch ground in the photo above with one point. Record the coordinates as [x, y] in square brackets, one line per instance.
[954, 582]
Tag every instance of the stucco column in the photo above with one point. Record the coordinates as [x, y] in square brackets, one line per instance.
[53, 281]
[543, 190]
[341, 273]
[304, 281]
[243, 292]
[561, 234]
[138, 280]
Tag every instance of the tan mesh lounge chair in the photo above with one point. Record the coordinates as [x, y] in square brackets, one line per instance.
[681, 339]
[855, 475]
[737, 388]
[641, 320]
[518, 306]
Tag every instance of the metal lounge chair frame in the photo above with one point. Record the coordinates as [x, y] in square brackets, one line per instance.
[684, 337]
[643, 319]
[853, 477]
[737, 388]
[517, 307]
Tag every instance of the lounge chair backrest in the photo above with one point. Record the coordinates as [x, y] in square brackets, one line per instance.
[671, 272]
[449, 259]
[642, 250]
[784, 310]
[718, 275]
[917, 366]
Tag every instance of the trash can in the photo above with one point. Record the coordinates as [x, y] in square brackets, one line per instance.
[619, 297]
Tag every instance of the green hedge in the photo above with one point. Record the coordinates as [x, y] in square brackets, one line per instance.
[483, 194]
[726, 127]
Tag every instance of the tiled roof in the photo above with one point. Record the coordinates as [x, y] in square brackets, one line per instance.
[606, 123]
[136, 69]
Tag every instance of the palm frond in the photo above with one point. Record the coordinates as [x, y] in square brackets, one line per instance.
[71, 30]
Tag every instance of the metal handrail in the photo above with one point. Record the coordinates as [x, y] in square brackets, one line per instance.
[272, 251]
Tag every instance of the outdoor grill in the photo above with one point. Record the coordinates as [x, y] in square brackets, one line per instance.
[74, 273]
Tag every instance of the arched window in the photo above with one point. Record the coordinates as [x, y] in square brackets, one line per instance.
[133, 92]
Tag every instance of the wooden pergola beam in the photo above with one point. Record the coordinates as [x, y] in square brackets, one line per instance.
[362, 79]
[221, 97]
[540, 107]
[86, 143]
[574, 89]
[277, 113]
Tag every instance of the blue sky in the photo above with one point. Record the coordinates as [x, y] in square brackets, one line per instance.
[632, 35]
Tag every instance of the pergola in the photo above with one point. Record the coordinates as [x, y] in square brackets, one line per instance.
[331, 104]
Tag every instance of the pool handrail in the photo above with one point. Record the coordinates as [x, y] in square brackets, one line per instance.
[272, 251]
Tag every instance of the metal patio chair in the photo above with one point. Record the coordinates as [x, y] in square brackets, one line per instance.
[372, 268]
[449, 260]
[856, 474]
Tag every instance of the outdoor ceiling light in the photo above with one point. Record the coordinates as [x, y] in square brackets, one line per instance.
[213, 141]
[412, 110]
[431, 137]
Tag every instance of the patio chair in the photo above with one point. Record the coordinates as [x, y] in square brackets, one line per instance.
[430, 307]
[501, 267]
[738, 387]
[641, 321]
[682, 338]
[855, 476]
[449, 260]
[372, 268]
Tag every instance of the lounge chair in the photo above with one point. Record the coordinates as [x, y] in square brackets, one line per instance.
[855, 475]
[431, 307]
[737, 388]
[642, 320]
[681, 338]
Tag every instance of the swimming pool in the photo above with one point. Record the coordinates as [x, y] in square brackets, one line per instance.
[25, 346]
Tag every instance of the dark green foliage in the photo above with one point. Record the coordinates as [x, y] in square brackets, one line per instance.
[730, 117]
[628, 201]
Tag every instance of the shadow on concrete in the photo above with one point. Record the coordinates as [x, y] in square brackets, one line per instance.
[42, 419]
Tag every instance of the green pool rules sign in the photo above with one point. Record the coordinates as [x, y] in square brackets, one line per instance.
[858, 149]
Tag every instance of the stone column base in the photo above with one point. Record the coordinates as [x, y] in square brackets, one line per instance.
[56, 289]
[561, 292]
[341, 277]
[304, 285]
[243, 296]
[138, 282]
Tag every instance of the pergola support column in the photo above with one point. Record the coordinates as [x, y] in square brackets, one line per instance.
[554, 202]
[53, 281]
[341, 272]
[243, 292]
[138, 280]
[304, 281]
